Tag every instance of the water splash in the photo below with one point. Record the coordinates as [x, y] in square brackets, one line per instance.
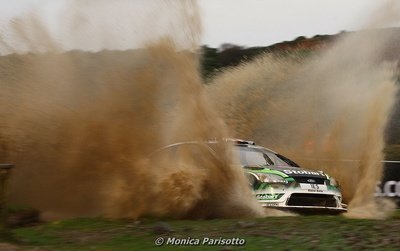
[321, 110]
[80, 128]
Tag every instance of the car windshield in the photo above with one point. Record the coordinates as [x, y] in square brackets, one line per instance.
[249, 156]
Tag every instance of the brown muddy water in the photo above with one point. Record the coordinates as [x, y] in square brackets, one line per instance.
[81, 127]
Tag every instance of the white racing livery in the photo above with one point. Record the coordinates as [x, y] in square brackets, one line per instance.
[279, 182]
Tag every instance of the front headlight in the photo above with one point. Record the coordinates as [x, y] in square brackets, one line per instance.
[333, 182]
[271, 178]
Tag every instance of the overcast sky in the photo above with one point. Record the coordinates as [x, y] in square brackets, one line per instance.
[243, 22]
[261, 22]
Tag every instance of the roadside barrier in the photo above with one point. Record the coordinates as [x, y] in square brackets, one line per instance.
[389, 187]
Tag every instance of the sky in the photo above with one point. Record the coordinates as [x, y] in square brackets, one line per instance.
[262, 22]
[242, 22]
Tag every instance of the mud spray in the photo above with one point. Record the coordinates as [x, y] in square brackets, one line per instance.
[328, 111]
[82, 127]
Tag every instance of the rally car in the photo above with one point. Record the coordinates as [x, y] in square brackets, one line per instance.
[276, 181]
[280, 183]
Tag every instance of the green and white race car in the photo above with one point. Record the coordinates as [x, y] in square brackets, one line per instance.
[276, 181]
[280, 183]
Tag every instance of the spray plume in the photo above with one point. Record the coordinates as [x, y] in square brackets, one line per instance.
[328, 111]
[82, 128]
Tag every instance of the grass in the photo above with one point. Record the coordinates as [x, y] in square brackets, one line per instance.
[272, 233]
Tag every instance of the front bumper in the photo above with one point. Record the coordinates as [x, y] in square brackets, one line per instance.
[302, 200]
[310, 209]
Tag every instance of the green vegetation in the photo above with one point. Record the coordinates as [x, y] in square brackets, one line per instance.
[272, 233]
[229, 55]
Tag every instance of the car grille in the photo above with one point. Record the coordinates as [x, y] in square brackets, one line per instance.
[306, 180]
[305, 199]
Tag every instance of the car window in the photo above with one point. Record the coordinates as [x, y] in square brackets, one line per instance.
[287, 161]
[252, 157]
[258, 157]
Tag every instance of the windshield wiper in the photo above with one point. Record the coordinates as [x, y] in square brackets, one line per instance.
[255, 167]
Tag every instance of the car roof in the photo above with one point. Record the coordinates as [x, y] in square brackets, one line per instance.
[256, 147]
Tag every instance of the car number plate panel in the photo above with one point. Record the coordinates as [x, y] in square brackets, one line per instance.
[313, 187]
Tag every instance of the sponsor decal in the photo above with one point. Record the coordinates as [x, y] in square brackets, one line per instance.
[317, 173]
[268, 196]
[315, 191]
[390, 188]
